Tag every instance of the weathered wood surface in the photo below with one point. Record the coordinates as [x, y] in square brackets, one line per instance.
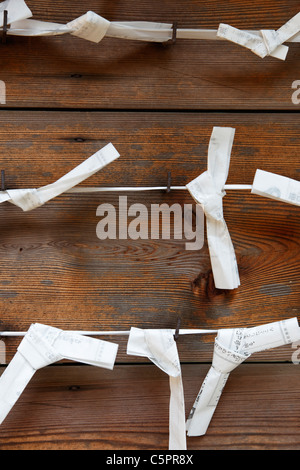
[57, 271]
[68, 72]
[65, 99]
[85, 408]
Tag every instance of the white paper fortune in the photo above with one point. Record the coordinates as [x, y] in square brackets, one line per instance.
[94, 28]
[16, 10]
[29, 199]
[207, 190]
[232, 347]
[160, 347]
[276, 187]
[44, 345]
[268, 42]
[89, 26]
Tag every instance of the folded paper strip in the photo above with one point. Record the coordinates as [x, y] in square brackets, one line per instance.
[93, 27]
[44, 345]
[17, 10]
[207, 190]
[29, 199]
[276, 187]
[160, 347]
[268, 42]
[232, 347]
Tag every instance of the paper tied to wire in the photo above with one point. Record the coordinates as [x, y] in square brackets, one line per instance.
[44, 345]
[29, 199]
[89, 26]
[232, 347]
[94, 28]
[160, 347]
[266, 42]
[207, 190]
[276, 187]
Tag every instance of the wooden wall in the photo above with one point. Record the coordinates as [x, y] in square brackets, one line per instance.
[65, 99]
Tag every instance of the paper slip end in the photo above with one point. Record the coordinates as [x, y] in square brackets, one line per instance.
[109, 153]
[280, 188]
[111, 351]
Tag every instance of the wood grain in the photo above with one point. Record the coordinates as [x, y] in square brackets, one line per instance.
[68, 72]
[85, 408]
[58, 272]
[65, 99]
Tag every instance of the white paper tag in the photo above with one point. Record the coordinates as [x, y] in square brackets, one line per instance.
[271, 335]
[29, 199]
[43, 345]
[16, 10]
[232, 347]
[89, 26]
[159, 346]
[207, 190]
[276, 187]
[268, 43]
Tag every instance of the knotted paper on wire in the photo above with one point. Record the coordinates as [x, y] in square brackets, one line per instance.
[89, 26]
[268, 42]
[44, 345]
[160, 347]
[93, 27]
[29, 199]
[207, 190]
[232, 347]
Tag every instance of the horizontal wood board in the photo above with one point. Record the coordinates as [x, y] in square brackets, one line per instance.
[85, 408]
[59, 272]
[65, 99]
[69, 72]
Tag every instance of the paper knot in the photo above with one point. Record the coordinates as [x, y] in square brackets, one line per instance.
[207, 190]
[36, 346]
[232, 347]
[159, 346]
[29, 199]
[225, 360]
[267, 42]
[210, 197]
[271, 41]
[89, 26]
[26, 199]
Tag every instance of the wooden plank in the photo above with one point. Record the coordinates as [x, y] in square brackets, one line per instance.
[68, 72]
[56, 270]
[85, 408]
